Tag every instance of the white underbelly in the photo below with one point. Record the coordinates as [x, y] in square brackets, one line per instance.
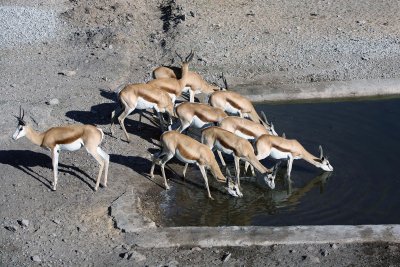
[276, 154]
[182, 158]
[72, 146]
[144, 104]
[222, 148]
[197, 122]
[245, 136]
[230, 109]
[186, 89]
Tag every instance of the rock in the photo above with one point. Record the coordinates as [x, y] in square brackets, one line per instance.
[10, 228]
[56, 221]
[173, 263]
[136, 256]
[23, 222]
[196, 249]
[36, 258]
[392, 248]
[292, 251]
[226, 256]
[67, 73]
[361, 22]
[304, 257]
[310, 248]
[334, 246]
[53, 102]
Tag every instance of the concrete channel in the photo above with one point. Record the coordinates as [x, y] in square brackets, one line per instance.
[143, 232]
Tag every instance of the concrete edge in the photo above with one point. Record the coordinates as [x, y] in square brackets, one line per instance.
[320, 90]
[142, 232]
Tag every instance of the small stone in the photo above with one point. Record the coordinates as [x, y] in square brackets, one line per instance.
[292, 251]
[56, 221]
[334, 246]
[13, 85]
[392, 248]
[196, 249]
[67, 73]
[310, 248]
[10, 228]
[53, 102]
[226, 256]
[82, 229]
[314, 259]
[361, 22]
[23, 223]
[304, 257]
[36, 258]
[110, 47]
[324, 252]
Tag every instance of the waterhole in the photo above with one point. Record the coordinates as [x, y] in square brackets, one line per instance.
[361, 139]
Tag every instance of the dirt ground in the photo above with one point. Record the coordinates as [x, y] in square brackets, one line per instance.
[60, 68]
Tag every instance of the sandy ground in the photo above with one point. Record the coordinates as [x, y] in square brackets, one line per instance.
[75, 51]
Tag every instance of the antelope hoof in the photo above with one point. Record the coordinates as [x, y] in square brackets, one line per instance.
[96, 188]
[167, 187]
[54, 188]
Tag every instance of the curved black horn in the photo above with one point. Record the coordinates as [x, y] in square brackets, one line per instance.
[283, 135]
[180, 57]
[224, 81]
[190, 56]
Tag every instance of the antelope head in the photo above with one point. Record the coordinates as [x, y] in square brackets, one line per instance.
[270, 177]
[269, 126]
[232, 187]
[323, 162]
[21, 127]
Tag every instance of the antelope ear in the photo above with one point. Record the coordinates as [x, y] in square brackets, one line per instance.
[321, 152]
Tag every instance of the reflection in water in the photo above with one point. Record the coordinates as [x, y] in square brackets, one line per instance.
[187, 204]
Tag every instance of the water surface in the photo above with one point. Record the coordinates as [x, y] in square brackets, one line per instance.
[361, 139]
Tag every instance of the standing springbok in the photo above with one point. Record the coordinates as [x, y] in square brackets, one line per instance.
[174, 87]
[141, 96]
[188, 150]
[280, 148]
[195, 84]
[240, 148]
[247, 129]
[198, 115]
[70, 138]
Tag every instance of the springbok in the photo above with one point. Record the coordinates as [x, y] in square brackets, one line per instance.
[281, 148]
[198, 115]
[188, 150]
[235, 104]
[141, 96]
[240, 148]
[70, 138]
[195, 84]
[174, 87]
[247, 129]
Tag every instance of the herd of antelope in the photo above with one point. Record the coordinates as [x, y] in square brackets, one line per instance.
[243, 133]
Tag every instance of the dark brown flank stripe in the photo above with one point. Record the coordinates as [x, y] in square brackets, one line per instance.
[149, 98]
[225, 144]
[280, 148]
[204, 117]
[246, 131]
[233, 104]
[69, 140]
[185, 153]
